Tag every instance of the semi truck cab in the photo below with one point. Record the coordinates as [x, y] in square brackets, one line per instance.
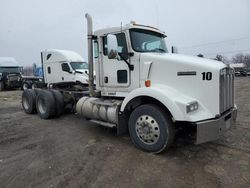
[58, 67]
[64, 66]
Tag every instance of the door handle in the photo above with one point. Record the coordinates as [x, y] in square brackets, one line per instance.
[62, 78]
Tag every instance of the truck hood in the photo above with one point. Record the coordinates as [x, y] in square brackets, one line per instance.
[82, 71]
[185, 75]
[187, 61]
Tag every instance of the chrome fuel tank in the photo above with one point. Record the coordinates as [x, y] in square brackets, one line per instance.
[99, 109]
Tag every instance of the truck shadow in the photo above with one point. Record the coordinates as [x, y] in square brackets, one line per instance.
[182, 145]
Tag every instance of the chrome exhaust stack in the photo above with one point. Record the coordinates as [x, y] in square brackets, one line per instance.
[90, 55]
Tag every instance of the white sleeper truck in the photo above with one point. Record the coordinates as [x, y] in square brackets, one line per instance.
[142, 89]
[59, 66]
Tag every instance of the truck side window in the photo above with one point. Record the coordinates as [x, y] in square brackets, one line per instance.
[96, 49]
[65, 67]
[122, 45]
[49, 70]
[122, 76]
[48, 56]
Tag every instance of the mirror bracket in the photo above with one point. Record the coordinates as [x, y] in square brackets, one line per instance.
[131, 67]
[94, 37]
[131, 54]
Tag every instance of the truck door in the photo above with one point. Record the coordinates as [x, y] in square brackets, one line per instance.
[65, 74]
[115, 71]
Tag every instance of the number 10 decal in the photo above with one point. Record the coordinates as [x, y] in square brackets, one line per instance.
[206, 76]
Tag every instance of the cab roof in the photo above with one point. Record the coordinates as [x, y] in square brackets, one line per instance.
[131, 25]
[62, 55]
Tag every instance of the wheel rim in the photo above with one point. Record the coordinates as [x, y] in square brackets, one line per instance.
[25, 86]
[25, 103]
[147, 129]
[41, 106]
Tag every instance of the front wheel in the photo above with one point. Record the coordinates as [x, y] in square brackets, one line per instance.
[150, 128]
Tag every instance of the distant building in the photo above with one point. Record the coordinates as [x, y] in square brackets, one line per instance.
[238, 66]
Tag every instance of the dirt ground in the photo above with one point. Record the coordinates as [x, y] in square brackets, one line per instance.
[71, 152]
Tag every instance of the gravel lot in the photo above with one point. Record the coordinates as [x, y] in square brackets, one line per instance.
[71, 152]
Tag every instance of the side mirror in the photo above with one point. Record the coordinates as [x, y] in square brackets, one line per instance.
[174, 50]
[112, 46]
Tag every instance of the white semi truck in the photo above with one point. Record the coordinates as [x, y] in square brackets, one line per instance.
[59, 67]
[142, 89]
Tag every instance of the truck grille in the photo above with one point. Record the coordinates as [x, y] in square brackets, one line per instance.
[12, 77]
[226, 89]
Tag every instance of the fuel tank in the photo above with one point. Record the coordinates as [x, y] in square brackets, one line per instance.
[99, 109]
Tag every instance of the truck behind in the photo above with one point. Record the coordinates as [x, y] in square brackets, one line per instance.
[10, 73]
[59, 66]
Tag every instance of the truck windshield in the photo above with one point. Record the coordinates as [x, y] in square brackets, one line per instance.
[147, 41]
[10, 69]
[79, 65]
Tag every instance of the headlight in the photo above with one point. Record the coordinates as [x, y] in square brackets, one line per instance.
[190, 107]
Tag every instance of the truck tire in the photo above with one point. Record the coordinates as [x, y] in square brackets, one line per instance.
[34, 86]
[25, 86]
[59, 102]
[37, 90]
[45, 103]
[29, 101]
[150, 128]
[1, 86]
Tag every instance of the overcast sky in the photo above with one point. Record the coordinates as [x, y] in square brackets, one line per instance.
[194, 26]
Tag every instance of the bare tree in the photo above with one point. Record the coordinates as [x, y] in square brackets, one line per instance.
[241, 58]
[247, 60]
[238, 58]
[222, 58]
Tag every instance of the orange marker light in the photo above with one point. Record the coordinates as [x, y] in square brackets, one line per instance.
[147, 83]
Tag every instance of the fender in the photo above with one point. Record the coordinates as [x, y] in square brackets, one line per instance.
[173, 100]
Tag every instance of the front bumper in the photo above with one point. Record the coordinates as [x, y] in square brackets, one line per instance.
[212, 129]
